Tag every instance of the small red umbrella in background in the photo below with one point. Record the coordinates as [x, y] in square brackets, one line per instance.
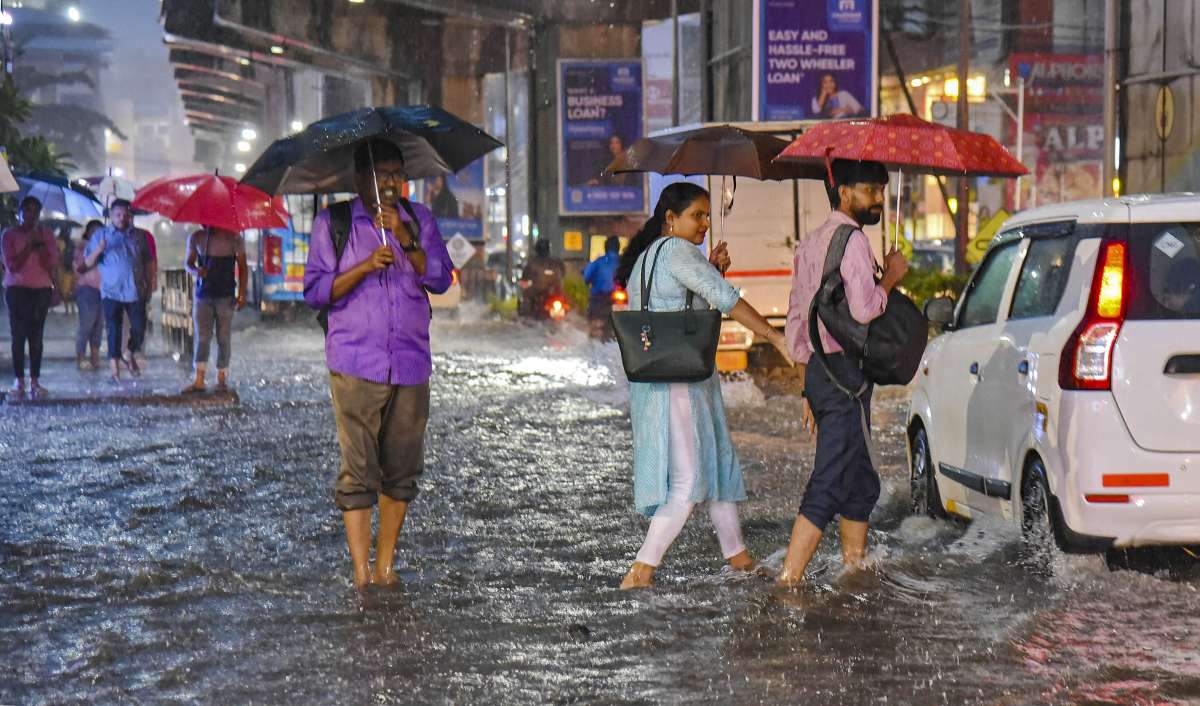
[212, 200]
[905, 143]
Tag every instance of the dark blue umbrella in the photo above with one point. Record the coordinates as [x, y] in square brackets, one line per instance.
[320, 159]
[60, 196]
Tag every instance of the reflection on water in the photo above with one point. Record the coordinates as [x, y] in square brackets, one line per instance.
[194, 555]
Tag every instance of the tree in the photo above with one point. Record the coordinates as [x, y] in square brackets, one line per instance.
[24, 153]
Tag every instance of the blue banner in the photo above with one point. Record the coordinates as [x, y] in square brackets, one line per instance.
[816, 59]
[600, 115]
[457, 202]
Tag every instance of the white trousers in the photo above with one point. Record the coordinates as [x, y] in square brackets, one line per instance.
[670, 517]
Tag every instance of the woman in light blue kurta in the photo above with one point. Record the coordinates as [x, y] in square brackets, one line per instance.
[682, 452]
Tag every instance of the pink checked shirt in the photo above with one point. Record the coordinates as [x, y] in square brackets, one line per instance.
[37, 271]
[866, 298]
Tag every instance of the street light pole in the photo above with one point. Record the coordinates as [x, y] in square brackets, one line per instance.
[1110, 96]
[964, 67]
[6, 37]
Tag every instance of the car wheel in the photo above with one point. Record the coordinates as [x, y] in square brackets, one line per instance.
[1037, 522]
[926, 500]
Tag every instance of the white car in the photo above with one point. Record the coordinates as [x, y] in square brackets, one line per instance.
[1064, 393]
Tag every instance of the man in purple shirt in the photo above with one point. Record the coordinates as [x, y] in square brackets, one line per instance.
[377, 349]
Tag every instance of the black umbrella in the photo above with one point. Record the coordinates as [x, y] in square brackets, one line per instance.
[723, 150]
[320, 159]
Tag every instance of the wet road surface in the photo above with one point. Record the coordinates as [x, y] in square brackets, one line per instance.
[193, 555]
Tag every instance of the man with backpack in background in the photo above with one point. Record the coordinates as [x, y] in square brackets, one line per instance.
[370, 265]
[844, 480]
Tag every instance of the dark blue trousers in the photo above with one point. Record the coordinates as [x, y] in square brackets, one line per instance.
[843, 480]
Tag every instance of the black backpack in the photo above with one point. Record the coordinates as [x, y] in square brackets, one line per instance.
[339, 233]
[889, 349]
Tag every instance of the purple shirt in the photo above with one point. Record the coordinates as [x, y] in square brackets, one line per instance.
[380, 330]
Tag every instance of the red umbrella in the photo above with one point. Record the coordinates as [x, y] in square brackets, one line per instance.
[905, 142]
[212, 200]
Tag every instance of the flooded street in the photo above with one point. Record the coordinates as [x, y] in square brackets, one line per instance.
[194, 555]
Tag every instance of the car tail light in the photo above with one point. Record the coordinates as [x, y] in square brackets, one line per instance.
[1087, 358]
[1107, 499]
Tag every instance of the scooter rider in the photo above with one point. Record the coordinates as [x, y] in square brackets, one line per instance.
[542, 278]
[599, 277]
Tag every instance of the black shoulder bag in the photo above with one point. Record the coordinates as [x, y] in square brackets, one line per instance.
[339, 233]
[666, 346]
[889, 348]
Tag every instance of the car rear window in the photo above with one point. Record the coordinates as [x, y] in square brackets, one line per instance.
[1165, 277]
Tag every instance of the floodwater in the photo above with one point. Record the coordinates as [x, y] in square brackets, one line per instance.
[193, 555]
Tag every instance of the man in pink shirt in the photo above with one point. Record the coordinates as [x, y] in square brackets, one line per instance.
[30, 258]
[844, 482]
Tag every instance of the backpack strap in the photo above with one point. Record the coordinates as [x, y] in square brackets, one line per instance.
[339, 232]
[831, 279]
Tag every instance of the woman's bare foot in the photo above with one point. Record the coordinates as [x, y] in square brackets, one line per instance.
[742, 561]
[640, 576]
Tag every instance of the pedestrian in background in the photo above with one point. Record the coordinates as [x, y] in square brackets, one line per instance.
[682, 451]
[377, 347]
[87, 298]
[66, 272]
[123, 256]
[600, 277]
[30, 258]
[844, 481]
[217, 259]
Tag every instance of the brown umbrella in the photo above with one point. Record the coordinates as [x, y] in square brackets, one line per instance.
[722, 150]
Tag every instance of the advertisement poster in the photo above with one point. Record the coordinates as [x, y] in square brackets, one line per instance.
[600, 114]
[285, 253]
[815, 59]
[1064, 129]
[457, 202]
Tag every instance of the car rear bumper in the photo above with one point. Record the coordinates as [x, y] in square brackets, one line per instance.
[1097, 451]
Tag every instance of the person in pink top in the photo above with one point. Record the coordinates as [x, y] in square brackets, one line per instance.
[30, 258]
[844, 482]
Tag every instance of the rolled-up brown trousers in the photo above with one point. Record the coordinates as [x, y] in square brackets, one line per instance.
[381, 430]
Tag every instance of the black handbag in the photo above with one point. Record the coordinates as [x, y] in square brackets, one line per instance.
[889, 349]
[667, 346]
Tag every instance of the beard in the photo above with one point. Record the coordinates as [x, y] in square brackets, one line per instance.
[868, 216]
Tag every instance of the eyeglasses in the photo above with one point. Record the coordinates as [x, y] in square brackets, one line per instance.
[390, 176]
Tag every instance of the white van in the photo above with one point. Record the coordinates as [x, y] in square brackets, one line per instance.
[768, 219]
[1065, 391]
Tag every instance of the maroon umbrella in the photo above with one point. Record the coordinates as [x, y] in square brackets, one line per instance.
[722, 150]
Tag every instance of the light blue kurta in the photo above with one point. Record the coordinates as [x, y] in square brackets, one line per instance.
[681, 267]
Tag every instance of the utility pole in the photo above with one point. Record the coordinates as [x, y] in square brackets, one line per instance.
[6, 37]
[674, 63]
[508, 135]
[964, 68]
[1110, 97]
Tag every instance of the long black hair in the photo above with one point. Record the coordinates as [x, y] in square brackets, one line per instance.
[676, 197]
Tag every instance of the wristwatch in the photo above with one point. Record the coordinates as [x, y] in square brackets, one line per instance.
[413, 246]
